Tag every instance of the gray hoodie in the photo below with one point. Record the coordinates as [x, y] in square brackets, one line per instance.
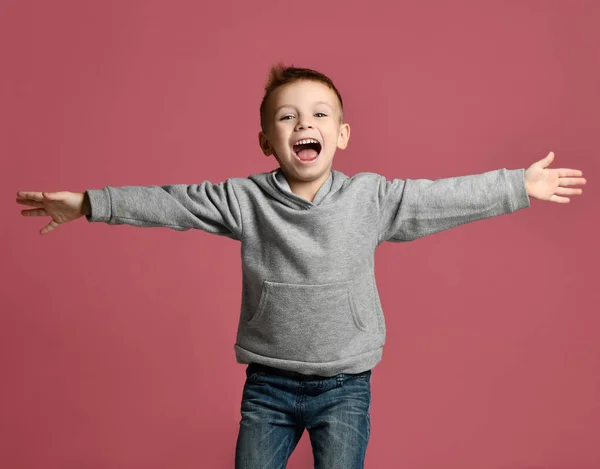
[309, 297]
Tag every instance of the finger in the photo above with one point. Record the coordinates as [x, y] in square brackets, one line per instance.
[34, 212]
[32, 203]
[571, 181]
[547, 160]
[566, 172]
[564, 191]
[48, 228]
[560, 200]
[30, 195]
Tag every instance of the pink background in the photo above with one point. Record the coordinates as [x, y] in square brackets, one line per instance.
[116, 343]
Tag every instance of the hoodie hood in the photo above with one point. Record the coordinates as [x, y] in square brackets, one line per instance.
[276, 185]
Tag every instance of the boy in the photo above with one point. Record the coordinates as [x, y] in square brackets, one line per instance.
[311, 327]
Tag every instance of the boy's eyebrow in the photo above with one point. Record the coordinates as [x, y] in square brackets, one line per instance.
[289, 105]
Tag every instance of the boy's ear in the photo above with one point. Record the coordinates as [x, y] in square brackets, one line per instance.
[344, 136]
[265, 146]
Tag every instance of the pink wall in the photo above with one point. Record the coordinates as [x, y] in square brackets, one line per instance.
[116, 343]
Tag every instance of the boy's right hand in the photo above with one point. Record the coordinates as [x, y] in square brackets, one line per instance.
[61, 206]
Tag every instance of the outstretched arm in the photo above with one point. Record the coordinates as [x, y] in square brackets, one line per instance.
[413, 208]
[210, 207]
[552, 184]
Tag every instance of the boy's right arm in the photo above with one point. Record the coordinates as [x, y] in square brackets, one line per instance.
[209, 207]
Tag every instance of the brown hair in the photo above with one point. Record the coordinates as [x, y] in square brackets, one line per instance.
[280, 75]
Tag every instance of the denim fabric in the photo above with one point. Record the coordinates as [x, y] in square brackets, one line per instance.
[278, 405]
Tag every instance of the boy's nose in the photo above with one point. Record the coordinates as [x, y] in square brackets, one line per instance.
[302, 124]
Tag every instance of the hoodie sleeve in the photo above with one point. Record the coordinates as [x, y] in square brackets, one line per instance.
[213, 208]
[410, 209]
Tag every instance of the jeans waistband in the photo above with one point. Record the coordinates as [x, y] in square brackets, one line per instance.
[258, 367]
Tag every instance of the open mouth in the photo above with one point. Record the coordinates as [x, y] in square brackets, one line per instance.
[307, 151]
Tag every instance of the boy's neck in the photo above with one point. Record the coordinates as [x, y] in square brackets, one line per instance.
[306, 189]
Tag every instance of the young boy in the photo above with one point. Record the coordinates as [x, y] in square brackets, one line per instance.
[311, 326]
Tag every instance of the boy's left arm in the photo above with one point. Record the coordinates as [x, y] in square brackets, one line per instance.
[415, 208]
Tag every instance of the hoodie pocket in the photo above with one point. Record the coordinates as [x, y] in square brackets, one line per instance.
[306, 322]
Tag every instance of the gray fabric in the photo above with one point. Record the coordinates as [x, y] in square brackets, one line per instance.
[309, 297]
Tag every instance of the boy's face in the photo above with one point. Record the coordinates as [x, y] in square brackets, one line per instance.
[304, 110]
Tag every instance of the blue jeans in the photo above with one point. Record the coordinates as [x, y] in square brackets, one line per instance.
[278, 405]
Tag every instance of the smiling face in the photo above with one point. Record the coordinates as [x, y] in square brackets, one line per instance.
[308, 112]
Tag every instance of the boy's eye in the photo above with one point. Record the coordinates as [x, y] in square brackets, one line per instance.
[317, 114]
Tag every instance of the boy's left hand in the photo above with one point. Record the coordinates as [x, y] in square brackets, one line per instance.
[550, 184]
